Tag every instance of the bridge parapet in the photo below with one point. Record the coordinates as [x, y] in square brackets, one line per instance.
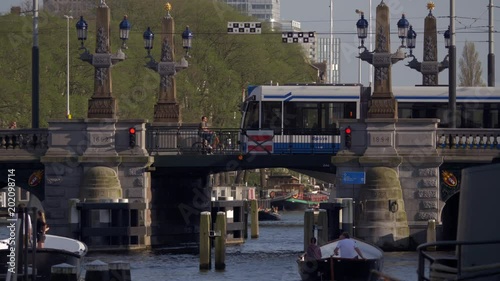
[468, 139]
[23, 143]
[468, 145]
[176, 140]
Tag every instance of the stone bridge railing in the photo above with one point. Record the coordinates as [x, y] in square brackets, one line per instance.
[468, 139]
[468, 145]
[23, 142]
[34, 142]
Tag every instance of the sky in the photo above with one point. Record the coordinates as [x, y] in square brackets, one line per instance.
[314, 15]
[471, 17]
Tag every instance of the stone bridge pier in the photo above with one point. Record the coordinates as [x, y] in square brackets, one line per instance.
[392, 212]
[89, 166]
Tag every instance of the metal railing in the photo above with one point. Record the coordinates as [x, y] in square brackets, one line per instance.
[456, 272]
[188, 140]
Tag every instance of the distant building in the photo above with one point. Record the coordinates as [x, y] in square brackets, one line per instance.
[15, 10]
[323, 52]
[265, 10]
[290, 25]
[70, 7]
[277, 180]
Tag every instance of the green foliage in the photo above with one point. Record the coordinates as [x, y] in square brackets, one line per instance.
[220, 68]
[470, 67]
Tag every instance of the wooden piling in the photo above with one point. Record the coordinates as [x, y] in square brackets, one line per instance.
[308, 227]
[431, 234]
[97, 271]
[245, 218]
[119, 271]
[220, 241]
[205, 221]
[63, 272]
[322, 227]
[254, 214]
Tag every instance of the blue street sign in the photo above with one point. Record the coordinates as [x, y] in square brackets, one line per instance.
[353, 178]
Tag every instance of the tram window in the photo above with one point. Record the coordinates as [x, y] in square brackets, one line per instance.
[404, 113]
[301, 117]
[251, 120]
[473, 115]
[495, 116]
[350, 110]
[271, 115]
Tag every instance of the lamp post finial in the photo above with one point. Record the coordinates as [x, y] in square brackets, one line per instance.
[430, 6]
[167, 7]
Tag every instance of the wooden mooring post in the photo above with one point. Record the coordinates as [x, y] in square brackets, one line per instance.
[220, 241]
[63, 272]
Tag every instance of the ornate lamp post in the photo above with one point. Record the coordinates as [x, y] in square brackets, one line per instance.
[382, 104]
[102, 104]
[430, 67]
[167, 108]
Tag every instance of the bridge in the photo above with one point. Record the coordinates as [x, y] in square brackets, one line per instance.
[87, 173]
[169, 172]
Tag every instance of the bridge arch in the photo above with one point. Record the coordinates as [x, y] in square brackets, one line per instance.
[449, 217]
[29, 180]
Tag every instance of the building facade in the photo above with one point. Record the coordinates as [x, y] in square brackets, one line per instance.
[70, 7]
[323, 52]
[264, 10]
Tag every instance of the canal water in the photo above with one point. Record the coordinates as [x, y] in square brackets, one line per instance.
[270, 257]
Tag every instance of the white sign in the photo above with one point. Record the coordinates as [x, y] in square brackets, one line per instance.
[298, 37]
[244, 27]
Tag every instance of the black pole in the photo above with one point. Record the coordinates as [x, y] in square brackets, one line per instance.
[491, 70]
[35, 73]
[453, 86]
[25, 243]
[491, 47]
[35, 95]
[33, 244]
[452, 102]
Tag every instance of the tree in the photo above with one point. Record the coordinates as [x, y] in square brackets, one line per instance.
[470, 67]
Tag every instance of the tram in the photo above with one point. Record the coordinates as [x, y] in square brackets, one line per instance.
[302, 118]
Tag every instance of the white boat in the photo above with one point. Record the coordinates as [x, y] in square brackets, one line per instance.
[335, 268]
[57, 250]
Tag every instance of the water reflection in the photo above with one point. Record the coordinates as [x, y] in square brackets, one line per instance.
[270, 257]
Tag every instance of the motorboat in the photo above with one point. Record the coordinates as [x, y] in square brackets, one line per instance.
[269, 215]
[57, 250]
[331, 267]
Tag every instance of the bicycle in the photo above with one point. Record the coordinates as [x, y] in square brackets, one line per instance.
[203, 147]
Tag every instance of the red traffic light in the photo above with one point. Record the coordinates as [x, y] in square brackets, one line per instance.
[131, 130]
[348, 130]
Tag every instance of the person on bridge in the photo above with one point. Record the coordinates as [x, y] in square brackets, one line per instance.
[205, 132]
[348, 248]
[313, 251]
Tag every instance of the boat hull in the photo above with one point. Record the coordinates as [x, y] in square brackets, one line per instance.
[57, 250]
[268, 216]
[340, 269]
[45, 259]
